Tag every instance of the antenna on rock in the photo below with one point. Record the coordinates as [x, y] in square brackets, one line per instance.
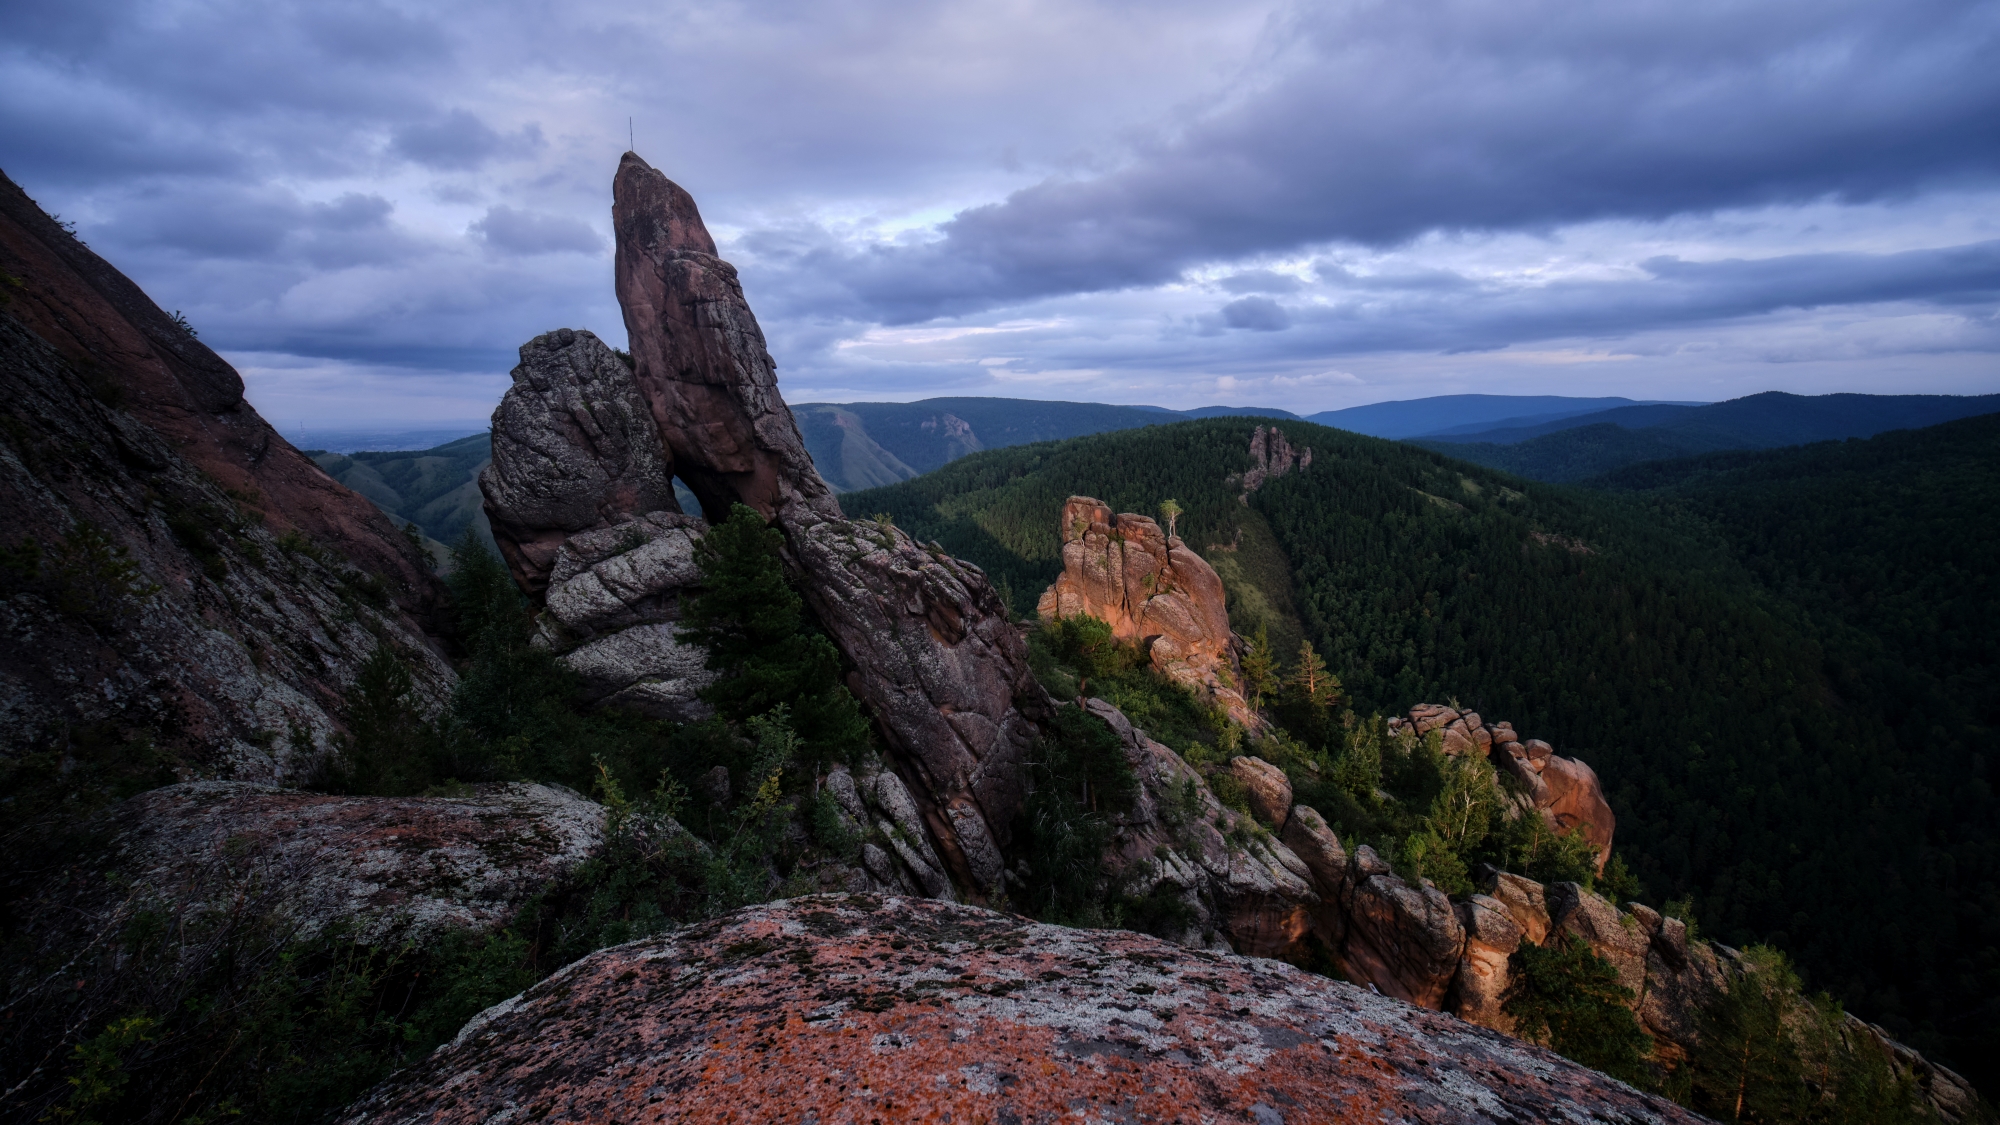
[630, 143]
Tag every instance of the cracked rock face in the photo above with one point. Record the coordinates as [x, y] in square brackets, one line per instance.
[612, 610]
[574, 448]
[859, 1008]
[394, 867]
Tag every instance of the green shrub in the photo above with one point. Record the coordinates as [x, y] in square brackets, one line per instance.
[1568, 998]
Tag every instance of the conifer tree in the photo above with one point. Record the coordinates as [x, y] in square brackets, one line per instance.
[1260, 668]
[1172, 511]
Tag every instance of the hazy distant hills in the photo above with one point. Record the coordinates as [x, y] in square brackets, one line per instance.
[1451, 414]
[437, 488]
[1580, 446]
[869, 444]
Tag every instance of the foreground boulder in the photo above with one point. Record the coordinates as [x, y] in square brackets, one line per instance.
[1153, 590]
[859, 1008]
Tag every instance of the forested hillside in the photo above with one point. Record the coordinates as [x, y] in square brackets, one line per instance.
[1718, 677]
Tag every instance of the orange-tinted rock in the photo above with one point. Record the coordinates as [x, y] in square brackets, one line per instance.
[1491, 937]
[1576, 803]
[1152, 590]
[1405, 940]
[857, 1008]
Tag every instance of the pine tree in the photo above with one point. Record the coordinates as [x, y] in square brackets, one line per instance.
[754, 626]
[1172, 511]
[1260, 668]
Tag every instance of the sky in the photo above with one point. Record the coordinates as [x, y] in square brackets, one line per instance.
[368, 206]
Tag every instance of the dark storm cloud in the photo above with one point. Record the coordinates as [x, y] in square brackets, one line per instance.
[1384, 121]
[1258, 314]
[459, 142]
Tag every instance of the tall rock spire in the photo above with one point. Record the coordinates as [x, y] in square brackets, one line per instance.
[700, 358]
[935, 657]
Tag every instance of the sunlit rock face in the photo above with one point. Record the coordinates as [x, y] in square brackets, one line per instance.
[860, 1008]
[1152, 590]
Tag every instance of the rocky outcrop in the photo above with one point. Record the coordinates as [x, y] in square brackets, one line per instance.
[1564, 790]
[1243, 888]
[1271, 456]
[1404, 939]
[1479, 986]
[934, 656]
[177, 575]
[838, 1008]
[612, 611]
[574, 449]
[1269, 790]
[383, 869]
[1153, 591]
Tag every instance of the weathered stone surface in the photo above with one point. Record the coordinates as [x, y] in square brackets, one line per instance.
[611, 610]
[1152, 590]
[1309, 837]
[257, 585]
[1243, 888]
[1576, 803]
[574, 448]
[936, 660]
[401, 866]
[1404, 940]
[1526, 902]
[1950, 1097]
[1615, 936]
[1491, 937]
[1564, 790]
[1270, 790]
[859, 1008]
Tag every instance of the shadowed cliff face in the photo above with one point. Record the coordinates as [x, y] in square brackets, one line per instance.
[176, 574]
[859, 1008]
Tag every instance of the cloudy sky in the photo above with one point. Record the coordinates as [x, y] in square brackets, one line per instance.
[367, 206]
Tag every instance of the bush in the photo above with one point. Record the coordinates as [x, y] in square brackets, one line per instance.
[1080, 779]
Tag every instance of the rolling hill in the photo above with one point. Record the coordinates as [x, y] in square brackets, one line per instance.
[1583, 445]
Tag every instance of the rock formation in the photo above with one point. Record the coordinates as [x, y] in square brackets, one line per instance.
[858, 1008]
[177, 573]
[1565, 790]
[935, 658]
[574, 449]
[1152, 590]
[1271, 456]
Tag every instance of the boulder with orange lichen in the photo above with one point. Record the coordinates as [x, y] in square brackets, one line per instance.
[861, 1008]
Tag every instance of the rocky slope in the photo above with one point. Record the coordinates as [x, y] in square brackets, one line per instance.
[1153, 590]
[857, 1008]
[177, 574]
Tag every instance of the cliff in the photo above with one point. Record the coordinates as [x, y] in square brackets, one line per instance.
[176, 573]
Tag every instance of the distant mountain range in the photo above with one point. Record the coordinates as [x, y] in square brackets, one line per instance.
[869, 444]
[1579, 446]
[1452, 414]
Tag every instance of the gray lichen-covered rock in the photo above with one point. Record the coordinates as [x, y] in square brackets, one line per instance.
[862, 1008]
[179, 574]
[388, 867]
[1241, 885]
[574, 448]
[611, 610]
[1269, 789]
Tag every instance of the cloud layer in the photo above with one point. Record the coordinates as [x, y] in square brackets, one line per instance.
[1307, 205]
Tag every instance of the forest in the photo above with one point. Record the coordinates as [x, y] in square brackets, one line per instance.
[1767, 657]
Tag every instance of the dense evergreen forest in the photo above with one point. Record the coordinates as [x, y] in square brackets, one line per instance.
[1769, 658]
